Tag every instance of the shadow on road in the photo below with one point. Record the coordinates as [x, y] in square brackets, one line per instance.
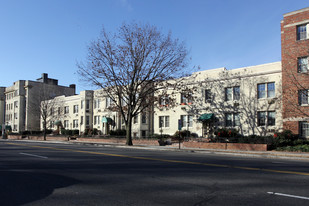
[18, 187]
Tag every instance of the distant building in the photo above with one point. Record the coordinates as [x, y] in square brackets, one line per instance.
[295, 71]
[23, 98]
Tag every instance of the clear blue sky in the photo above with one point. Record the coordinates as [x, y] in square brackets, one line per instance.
[50, 36]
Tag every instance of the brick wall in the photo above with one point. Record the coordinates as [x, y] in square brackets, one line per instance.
[292, 81]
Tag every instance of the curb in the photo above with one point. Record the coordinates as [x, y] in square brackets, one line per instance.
[268, 154]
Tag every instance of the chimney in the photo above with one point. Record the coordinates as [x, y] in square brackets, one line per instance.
[73, 86]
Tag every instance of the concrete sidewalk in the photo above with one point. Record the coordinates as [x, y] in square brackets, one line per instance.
[260, 154]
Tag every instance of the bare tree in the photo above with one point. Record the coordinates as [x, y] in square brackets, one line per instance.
[131, 65]
[50, 111]
[43, 106]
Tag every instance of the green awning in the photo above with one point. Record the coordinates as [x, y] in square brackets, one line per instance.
[206, 117]
[58, 123]
[106, 120]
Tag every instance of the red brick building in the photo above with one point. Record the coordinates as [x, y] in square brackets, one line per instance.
[295, 71]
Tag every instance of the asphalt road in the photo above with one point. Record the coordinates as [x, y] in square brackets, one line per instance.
[68, 174]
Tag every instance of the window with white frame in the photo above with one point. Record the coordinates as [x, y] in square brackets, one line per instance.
[186, 120]
[303, 32]
[164, 101]
[186, 98]
[302, 64]
[96, 120]
[232, 93]
[208, 95]
[232, 120]
[66, 123]
[266, 90]
[66, 110]
[97, 103]
[266, 118]
[164, 121]
[81, 120]
[75, 109]
[303, 97]
[75, 123]
[51, 124]
[108, 102]
[304, 129]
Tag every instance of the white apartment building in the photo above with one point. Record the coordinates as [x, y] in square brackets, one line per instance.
[92, 110]
[23, 98]
[247, 99]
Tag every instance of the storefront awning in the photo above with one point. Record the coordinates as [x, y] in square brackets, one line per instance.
[106, 120]
[206, 117]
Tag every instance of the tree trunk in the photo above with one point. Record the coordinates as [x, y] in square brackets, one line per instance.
[44, 132]
[129, 132]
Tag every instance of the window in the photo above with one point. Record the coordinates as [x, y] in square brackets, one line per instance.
[232, 119]
[51, 124]
[75, 123]
[271, 119]
[270, 90]
[87, 104]
[304, 129]
[232, 93]
[229, 120]
[59, 110]
[108, 102]
[15, 104]
[186, 98]
[302, 32]
[261, 118]
[75, 109]
[207, 95]
[302, 66]
[144, 118]
[266, 90]
[186, 120]
[236, 93]
[15, 115]
[82, 104]
[66, 110]
[66, 123]
[164, 121]
[303, 97]
[164, 101]
[97, 103]
[266, 118]
[87, 120]
[96, 120]
[81, 120]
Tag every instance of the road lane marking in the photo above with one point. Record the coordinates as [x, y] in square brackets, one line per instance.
[287, 195]
[33, 155]
[171, 161]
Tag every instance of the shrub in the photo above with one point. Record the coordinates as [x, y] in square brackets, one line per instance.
[118, 132]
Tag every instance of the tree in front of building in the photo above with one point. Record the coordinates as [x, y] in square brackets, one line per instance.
[131, 65]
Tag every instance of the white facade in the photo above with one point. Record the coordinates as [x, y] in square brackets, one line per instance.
[247, 99]
[22, 101]
[232, 97]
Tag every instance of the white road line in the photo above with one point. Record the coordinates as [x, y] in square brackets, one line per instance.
[32, 155]
[287, 195]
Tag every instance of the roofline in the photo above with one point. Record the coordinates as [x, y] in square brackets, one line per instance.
[296, 12]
